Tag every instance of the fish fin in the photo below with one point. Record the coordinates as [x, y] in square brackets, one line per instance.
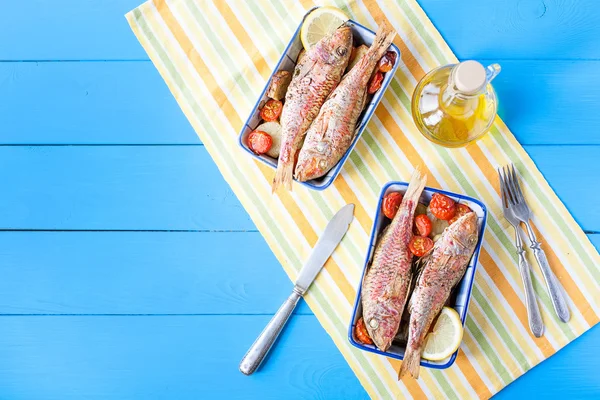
[324, 124]
[415, 187]
[363, 105]
[412, 284]
[411, 363]
[418, 268]
[283, 176]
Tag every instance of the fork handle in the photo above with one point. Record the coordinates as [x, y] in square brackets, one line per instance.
[556, 294]
[536, 324]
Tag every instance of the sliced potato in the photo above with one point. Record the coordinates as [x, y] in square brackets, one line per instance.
[421, 209]
[357, 55]
[274, 130]
[437, 225]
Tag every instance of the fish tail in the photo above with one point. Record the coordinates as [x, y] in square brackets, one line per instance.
[415, 187]
[411, 363]
[383, 38]
[283, 176]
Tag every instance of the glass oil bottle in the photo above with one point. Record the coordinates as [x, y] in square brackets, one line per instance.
[454, 105]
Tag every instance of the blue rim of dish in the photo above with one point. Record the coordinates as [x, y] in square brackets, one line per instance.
[475, 258]
[333, 173]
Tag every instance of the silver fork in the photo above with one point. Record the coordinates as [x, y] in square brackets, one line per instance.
[536, 324]
[523, 214]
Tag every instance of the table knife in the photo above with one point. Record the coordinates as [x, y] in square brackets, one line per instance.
[333, 234]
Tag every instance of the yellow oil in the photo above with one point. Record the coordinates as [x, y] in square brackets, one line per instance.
[448, 117]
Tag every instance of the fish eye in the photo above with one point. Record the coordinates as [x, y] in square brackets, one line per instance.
[373, 323]
[472, 239]
[341, 51]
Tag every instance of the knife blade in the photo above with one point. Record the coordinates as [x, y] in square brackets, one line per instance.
[332, 235]
[328, 241]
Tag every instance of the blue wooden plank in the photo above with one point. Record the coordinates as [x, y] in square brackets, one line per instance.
[178, 187]
[571, 373]
[128, 187]
[562, 169]
[543, 102]
[550, 102]
[68, 30]
[142, 273]
[170, 357]
[94, 103]
[197, 356]
[76, 30]
[538, 29]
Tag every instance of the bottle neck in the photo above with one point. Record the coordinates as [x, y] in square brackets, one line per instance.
[457, 102]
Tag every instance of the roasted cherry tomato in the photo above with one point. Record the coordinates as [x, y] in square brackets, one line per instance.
[442, 206]
[420, 245]
[271, 110]
[360, 331]
[461, 210]
[391, 203]
[423, 225]
[387, 62]
[259, 142]
[375, 83]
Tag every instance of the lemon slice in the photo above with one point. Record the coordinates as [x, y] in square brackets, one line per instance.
[320, 23]
[445, 338]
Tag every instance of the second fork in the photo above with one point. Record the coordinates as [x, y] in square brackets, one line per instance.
[523, 214]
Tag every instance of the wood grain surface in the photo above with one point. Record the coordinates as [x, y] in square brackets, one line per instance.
[130, 270]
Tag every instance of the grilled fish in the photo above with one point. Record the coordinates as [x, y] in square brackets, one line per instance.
[443, 269]
[332, 132]
[387, 282]
[319, 71]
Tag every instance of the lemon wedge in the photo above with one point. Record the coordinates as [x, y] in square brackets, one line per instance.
[320, 23]
[445, 337]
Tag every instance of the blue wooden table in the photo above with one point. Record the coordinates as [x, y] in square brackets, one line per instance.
[128, 267]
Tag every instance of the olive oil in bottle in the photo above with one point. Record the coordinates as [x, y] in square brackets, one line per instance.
[455, 104]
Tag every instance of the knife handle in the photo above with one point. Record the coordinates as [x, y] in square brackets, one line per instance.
[265, 340]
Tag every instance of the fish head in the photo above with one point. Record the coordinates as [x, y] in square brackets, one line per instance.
[382, 325]
[335, 49]
[464, 231]
[314, 161]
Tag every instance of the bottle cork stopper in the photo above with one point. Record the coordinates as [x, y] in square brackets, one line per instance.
[469, 76]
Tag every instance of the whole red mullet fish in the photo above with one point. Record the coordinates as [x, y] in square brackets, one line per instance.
[387, 282]
[443, 268]
[313, 80]
[332, 132]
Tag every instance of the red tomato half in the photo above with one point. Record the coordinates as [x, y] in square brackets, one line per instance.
[423, 225]
[391, 203]
[375, 83]
[461, 210]
[442, 206]
[259, 142]
[387, 62]
[420, 245]
[271, 110]
[360, 331]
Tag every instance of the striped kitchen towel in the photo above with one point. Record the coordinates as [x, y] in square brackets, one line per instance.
[216, 56]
